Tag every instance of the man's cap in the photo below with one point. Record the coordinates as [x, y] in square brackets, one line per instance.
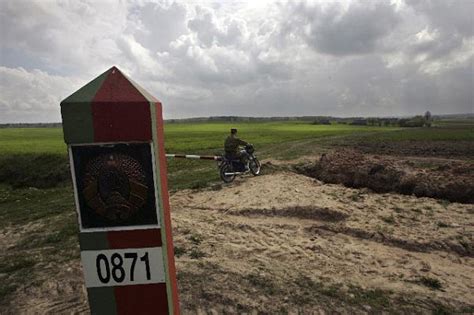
[233, 130]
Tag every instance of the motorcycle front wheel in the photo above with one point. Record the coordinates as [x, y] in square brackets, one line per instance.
[226, 168]
[254, 166]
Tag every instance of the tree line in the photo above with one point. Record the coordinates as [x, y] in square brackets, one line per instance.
[425, 120]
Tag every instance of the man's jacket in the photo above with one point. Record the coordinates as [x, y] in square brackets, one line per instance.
[231, 145]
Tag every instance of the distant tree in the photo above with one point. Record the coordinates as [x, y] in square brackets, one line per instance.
[402, 122]
[359, 122]
[373, 121]
[417, 121]
[427, 119]
[322, 121]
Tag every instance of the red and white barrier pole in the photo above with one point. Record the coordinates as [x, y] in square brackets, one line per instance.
[191, 156]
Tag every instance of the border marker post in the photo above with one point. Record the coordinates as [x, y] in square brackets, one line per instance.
[114, 132]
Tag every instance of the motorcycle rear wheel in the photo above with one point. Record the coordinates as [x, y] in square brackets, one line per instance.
[226, 168]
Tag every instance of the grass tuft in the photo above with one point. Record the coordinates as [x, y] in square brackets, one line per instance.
[431, 283]
[196, 253]
[389, 219]
[443, 224]
[196, 239]
[179, 251]
[376, 297]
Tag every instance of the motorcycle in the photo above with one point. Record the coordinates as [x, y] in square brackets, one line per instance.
[230, 168]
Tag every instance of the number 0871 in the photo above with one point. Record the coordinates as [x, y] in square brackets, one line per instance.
[114, 268]
[123, 266]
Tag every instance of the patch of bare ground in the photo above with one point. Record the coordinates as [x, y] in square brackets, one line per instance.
[39, 270]
[342, 250]
[452, 180]
[459, 149]
[285, 243]
[56, 289]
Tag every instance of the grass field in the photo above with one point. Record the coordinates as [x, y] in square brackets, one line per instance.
[209, 137]
[186, 137]
[29, 156]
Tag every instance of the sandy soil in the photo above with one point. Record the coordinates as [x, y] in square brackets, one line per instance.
[287, 227]
[58, 290]
[287, 243]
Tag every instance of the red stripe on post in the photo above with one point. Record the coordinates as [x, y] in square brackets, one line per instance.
[116, 120]
[166, 205]
[134, 239]
[142, 299]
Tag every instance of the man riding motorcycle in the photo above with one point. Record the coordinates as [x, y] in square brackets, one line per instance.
[231, 148]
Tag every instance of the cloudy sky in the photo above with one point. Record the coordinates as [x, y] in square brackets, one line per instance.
[255, 58]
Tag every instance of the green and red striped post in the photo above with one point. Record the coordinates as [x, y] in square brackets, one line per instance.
[114, 132]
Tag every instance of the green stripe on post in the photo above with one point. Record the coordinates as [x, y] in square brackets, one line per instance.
[76, 112]
[77, 123]
[86, 93]
[102, 300]
[93, 241]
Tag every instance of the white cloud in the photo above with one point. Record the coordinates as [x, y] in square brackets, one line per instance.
[339, 29]
[28, 96]
[242, 58]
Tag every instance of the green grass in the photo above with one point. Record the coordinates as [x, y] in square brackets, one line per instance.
[196, 253]
[196, 239]
[186, 137]
[192, 174]
[209, 137]
[41, 170]
[36, 157]
[179, 251]
[192, 137]
[31, 140]
[20, 206]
